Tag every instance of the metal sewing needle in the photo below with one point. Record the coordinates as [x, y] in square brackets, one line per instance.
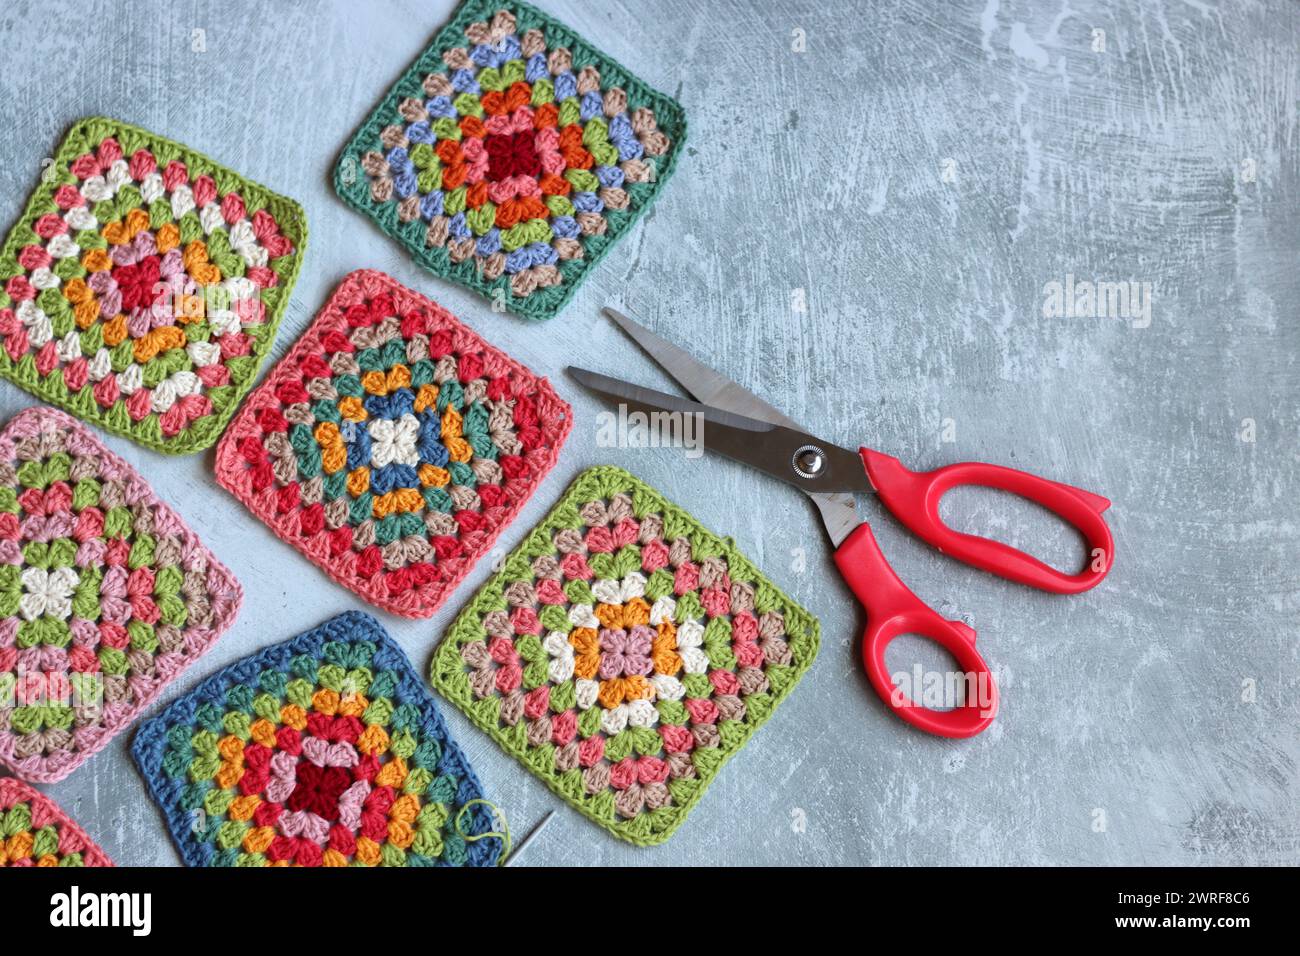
[523, 844]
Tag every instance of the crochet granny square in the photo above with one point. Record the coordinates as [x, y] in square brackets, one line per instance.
[105, 595]
[35, 832]
[623, 654]
[392, 445]
[511, 155]
[142, 287]
[325, 750]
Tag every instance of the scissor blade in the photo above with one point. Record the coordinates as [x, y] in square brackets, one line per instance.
[769, 448]
[703, 383]
[839, 511]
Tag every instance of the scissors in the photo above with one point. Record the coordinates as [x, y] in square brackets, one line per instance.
[738, 424]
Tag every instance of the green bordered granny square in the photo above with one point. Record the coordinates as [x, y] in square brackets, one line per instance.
[623, 653]
[511, 155]
[143, 285]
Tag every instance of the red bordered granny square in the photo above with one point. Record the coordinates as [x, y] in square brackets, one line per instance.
[392, 445]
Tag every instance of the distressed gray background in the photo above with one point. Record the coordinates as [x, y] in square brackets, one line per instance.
[823, 171]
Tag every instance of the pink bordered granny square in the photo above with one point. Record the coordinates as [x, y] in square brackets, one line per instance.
[105, 595]
[392, 445]
[34, 831]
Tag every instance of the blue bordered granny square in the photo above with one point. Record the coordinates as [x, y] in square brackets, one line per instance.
[325, 750]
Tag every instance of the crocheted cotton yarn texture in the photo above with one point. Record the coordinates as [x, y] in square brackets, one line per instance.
[35, 832]
[623, 654]
[392, 445]
[511, 155]
[142, 286]
[105, 595]
[325, 750]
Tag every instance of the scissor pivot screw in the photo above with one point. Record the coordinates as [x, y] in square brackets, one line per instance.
[809, 461]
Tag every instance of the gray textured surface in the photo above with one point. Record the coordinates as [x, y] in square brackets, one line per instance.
[821, 174]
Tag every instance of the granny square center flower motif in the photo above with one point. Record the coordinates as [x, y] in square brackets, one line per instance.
[394, 441]
[623, 653]
[511, 155]
[46, 592]
[105, 595]
[392, 445]
[325, 750]
[143, 285]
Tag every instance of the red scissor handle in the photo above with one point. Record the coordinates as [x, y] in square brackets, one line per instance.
[913, 498]
[892, 609]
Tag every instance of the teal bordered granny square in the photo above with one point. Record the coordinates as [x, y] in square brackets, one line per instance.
[511, 155]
